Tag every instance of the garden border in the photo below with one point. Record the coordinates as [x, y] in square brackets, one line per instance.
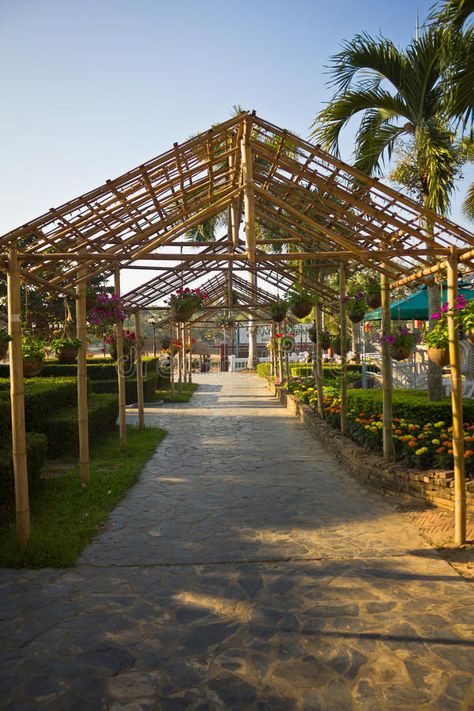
[428, 486]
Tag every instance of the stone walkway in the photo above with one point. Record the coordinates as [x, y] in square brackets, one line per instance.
[244, 571]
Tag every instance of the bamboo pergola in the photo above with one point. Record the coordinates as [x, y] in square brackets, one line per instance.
[322, 212]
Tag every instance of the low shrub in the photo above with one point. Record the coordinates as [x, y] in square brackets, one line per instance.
[97, 369]
[111, 386]
[264, 370]
[36, 447]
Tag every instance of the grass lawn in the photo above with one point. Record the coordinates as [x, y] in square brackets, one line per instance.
[187, 390]
[65, 517]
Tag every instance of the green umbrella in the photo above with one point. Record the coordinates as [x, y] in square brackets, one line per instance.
[415, 306]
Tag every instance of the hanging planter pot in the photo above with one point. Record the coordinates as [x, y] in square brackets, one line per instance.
[67, 355]
[374, 300]
[325, 340]
[356, 315]
[400, 352]
[439, 356]
[182, 312]
[32, 366]
[301, 308]
[336, 345]
[278, 311]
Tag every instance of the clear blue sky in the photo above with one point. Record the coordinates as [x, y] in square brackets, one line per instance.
[91, 88]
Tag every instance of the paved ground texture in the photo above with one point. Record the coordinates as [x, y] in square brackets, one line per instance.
[244, 571]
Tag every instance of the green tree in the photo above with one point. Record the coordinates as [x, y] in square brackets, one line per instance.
[397, 94]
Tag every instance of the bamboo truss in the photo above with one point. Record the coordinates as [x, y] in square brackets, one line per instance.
[321, 211]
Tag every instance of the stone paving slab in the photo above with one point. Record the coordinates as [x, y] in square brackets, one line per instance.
[224, 582]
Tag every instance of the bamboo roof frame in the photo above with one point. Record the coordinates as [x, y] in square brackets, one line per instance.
[326, 210]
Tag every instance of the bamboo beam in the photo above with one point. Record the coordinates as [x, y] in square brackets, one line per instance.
[82, 406]
[456, 403]
[120, 370]
[249, 197]
[343, 331]
[387, 371]
[17, 398]
[139, 365]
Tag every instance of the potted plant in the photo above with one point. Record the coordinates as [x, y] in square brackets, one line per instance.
[278, 311]
[324, 337]
[300, 303]
[105, 314]
[373, 294]
[34, 354]
[91, 298]
[465, 311]
[4, 341]
[356, 306]
[401, 342]
[129, 342]
[66, 348]
[226, 322]
[336, 345]
[437, 340]
[184, 303]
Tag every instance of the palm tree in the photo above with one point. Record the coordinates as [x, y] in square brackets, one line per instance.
[400, 96]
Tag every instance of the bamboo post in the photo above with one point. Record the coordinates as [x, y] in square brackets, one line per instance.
[139, 365]
[190, 336]
[319, 356]
[387, 371]
[180, 356]
[273, 331]
[17, 398]
[120, 370]
[171, 361]
[343, 331]
[249, 191]
[82, 407]
[456, 403]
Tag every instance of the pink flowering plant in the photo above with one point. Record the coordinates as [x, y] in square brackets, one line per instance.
[401, 337]
[104, 316]
[184, 298]
[463, 312]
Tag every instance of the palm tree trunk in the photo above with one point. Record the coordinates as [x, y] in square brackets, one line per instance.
[435, 373]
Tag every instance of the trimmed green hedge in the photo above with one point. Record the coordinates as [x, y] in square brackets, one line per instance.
[264, 370]
[411, 405]
[111, 386]
[97, 369]
[61, 429]
[36, 446]
[304, 370]
[42, 397]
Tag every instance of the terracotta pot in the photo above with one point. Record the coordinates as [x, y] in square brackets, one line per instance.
[302, 308]
[32, 367]
[3, 349]
[182, 313]
[374, 300]
[401, 352]
[67, 355]
[356, 316]
[127, 347]
[279, 314]
[440, 356]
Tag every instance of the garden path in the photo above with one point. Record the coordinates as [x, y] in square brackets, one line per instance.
[245, 570]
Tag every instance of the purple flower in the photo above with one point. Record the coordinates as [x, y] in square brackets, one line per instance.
[444, 308]
[390, 340]
[435, 316]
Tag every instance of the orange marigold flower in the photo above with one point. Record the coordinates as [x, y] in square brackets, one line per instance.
[412, 443]
[440, 450]
[450, 451]
[468, 453]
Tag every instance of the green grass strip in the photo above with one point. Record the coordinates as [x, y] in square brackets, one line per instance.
[187, 390]
[66, 517]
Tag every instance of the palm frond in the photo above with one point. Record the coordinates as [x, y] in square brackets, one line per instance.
[375, 142]
[439, 164]
[468, 203]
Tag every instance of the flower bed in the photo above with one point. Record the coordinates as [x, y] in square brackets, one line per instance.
[422, 430]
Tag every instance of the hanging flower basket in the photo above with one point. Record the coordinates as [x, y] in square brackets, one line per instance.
[400, 352]
[105, 314]
[278, 311]
[182, 313]
[439, 356]
[324, 338]
[67, 355]
[301, 308]
[184, 303]
[470, 337]
[336, 345]
[356, 315]
[374, 300]
[32, 366]
[3, 349]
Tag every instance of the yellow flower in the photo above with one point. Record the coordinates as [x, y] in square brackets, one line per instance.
[435, 441]
[421, 451]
